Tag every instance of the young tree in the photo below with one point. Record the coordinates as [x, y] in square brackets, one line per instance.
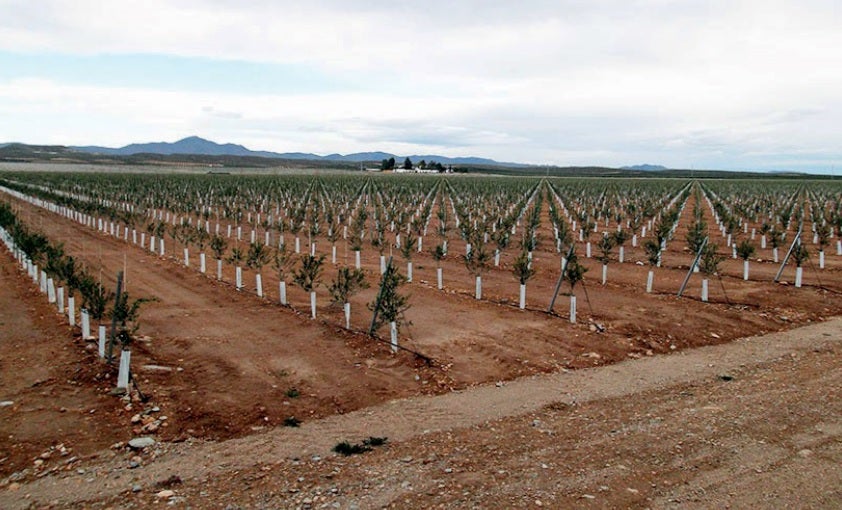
[218, 246]
[390, 305]
[709, 265]
[477, 261]
[257, 257]
[823, 238]
[620, 238]
[438, 254]
[800, 254]
[347, 282]
[745, 250]
[523, 271]
[407, 164]
[308, 277]
[653, 256]
[281, 263]
[202, 237]
[406, 250]
[574, 273]
[236, 258]
[606, 244]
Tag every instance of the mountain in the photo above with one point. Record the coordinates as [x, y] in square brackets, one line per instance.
[200, 146]
[645, 167]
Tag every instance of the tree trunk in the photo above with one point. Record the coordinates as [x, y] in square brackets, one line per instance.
[71, 310]
[650, 278]
[123, 373]
[705, 290]
[357, 259]
[393, 334]
[382, 264]
[420, 244]
[745, 270]
[497, 258]
[258, 280]
[347, 315]
[604, 273]
[186, 257]
[86, 324]
[313, 304]
[409, 271]
[333, 254]
[622, 254]
[60, 300]
[763, 242]
[522, 296]
[439, 278]
[202, 263]
[572, 309]
[799, 273]
[101, 341]
[161, 245]
[478, 293]
[821, 259]
[282, 291]
[51, 290]
[775, 255]
[588, 249]
[239, 277]
[297, 245]
[219, 269]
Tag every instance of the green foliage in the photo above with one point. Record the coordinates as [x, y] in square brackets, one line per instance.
[308, 275]
[126, 313]
[95, 297]
[574, 272]
[237, 256]
[800, 254]
[605, 245]
[522, 268]
[710, 260]
[218, 246]
[348, 281]
[390, 304]
[653, 251]
[438, 254]
[282, 261]
[478, 260]
[745, 249]
[258, 256]
[696, 235]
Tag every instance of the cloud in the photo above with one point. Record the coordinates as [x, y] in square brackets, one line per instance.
[671, 82]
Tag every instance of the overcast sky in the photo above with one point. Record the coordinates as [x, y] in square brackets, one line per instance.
[705, 84]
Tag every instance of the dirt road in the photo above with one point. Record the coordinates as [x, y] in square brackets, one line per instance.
[752, 423]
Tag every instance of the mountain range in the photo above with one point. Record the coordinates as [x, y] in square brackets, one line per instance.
[200, 146]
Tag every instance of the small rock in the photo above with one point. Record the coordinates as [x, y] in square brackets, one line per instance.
[714, 335]
[136, 418]
[136, 488]
[166, 493]
[7, 403]
[806, 452]
[726, 377]
[592, 327]
[156, 368]
[14, 486]
[140, 443]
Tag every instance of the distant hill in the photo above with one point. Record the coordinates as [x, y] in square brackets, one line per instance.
[195, 145]
[645, 167]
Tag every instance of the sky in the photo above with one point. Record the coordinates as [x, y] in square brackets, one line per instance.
[731, 84]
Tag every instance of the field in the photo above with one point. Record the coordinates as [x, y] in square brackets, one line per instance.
[223, 361]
